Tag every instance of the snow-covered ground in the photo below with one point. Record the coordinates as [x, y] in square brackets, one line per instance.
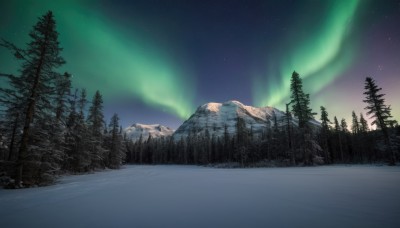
[190, 196]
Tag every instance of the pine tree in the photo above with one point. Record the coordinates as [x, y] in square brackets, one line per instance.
[324, 119]
[288, 119]
[379, 111]
[355, 138]
[35, 88]
[226, 152]
[95, 122]
[77, 135]
[82, 136]
[95, 117]
[325, 133]
[376, 106]
[300, 101]
[298, 97]
[363, 124]
[345, 138]
[338, 132]
[115, 151]
[63, 87]
[242, 139]
[308, 113]
[301, 109]
[344, 126]
[337, 125]
[69, 134]
[72, 113]
[355, 126]
[207, 146]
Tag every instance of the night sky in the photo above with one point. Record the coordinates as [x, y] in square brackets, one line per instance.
[155, 61]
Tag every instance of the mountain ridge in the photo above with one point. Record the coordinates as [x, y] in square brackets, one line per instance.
[138, 130]
[216, 118]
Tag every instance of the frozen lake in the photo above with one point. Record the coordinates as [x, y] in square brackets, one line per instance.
[190, 196]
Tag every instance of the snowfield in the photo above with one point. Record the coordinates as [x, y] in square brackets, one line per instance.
[190, 196]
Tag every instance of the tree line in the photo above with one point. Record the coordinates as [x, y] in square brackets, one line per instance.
[45, 126]
[295, 139]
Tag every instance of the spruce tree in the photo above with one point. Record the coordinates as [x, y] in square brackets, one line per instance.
[82, 136]
[95, 117]
[308, 113]
[325, 133]
[363, 124]
[379, 111]
[345, 137]
[344, 126]
[288, 120]
[35, 87]
[338, 132]
[300, 101]
[69, 134]
[207, 146]
[242, 139]
[301, 109]
[115, 150]
[95, 122]
[226, 151]
[297, 97]
[376, 106]
[355, 125]
[63, 87]
[336, 123]
[324, 119]
[77, 135]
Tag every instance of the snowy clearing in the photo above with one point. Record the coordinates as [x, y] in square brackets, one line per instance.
[191, 196]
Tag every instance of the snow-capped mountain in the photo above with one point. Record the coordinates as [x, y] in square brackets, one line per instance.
[216, 116]
[154, 130]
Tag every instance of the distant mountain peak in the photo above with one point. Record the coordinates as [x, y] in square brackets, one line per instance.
[215, 117]
[137, 130]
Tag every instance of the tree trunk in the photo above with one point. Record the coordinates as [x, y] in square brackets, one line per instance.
[14, 131]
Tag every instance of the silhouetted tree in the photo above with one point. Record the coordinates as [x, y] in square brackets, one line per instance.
[355, 126]
[379, 111]
[324, 133]
[363, 124]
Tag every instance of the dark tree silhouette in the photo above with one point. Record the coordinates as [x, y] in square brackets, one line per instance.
[379, 111]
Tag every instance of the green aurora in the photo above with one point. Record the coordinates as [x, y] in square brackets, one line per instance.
[114, 60]
[156, 61]
[319, 58]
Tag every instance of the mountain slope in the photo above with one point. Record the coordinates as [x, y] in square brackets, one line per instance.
[214, 117]
[138, 130]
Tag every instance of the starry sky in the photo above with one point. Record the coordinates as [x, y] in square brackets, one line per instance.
[156, 61]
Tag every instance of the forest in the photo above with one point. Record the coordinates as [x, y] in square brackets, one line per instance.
[48, 128]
